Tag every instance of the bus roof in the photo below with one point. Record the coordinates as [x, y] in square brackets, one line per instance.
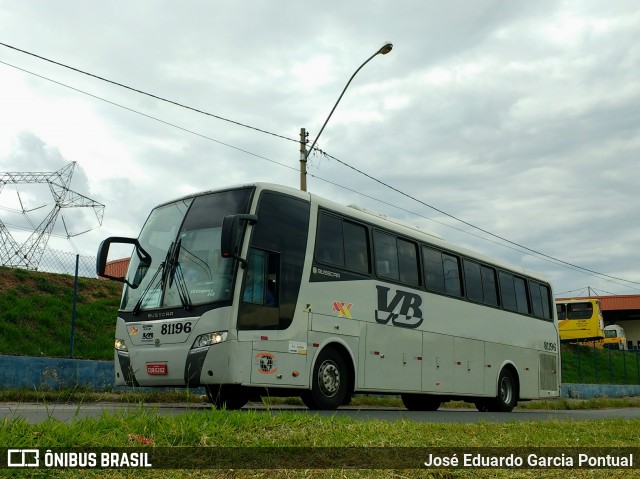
[377, 219]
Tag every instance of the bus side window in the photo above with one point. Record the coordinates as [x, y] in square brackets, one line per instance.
[513, 291]
[522, 299]
[408, 262]
[433, 271]
[508, 291]
[451, 270]
[441, 272]
[396, 258]
[261, 282]
[489, 289]
[386, 254]
[473, 281]
[342, 243]
[561, 311]
[540, 299]
[545, 293]
[480, 283]
[356, 247]
[329, 240]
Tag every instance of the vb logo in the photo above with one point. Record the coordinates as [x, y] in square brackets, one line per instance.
[403, 309]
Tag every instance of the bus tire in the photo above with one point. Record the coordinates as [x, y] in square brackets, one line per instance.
[329, 382]
[228, 396]
[420, 402]
[507, 397]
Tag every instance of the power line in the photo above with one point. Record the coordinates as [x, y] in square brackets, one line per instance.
[148, 116]
[521, 247]
[142, 92]
[501, 238]
[595, 275]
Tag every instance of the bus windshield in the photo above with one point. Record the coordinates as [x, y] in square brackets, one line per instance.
[183, 240]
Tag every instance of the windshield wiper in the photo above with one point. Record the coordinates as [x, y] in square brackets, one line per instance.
[176, 274]
[162, 268]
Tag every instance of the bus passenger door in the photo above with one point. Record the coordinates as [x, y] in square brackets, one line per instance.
[393, 358]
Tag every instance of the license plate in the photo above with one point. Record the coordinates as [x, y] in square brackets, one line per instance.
[157, 369]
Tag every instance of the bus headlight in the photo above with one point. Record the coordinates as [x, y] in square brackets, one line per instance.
[209, 339]
[120, 346]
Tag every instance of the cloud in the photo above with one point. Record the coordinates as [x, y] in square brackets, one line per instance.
[520, 118]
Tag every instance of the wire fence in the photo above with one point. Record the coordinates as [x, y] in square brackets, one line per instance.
[587, 363]
[64, 262]
[72, 264]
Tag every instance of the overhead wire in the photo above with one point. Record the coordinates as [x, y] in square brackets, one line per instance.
[518, 246]
[501, 238]
[142, 92]
[147, 116]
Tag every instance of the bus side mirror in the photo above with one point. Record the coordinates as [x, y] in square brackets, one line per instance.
[231, 234]
[103, 253]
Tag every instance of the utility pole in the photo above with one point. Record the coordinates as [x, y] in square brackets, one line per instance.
[304, 153]
[303, 159]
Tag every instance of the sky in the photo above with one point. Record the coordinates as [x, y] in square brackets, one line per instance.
[522, 119]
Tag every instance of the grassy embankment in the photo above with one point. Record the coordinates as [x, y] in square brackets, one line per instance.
[36, 313]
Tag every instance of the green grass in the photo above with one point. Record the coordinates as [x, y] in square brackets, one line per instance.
[584, 364]
[36, 314]
[217, 429]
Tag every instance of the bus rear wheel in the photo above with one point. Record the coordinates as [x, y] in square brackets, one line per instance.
[227, 396]
[420, 402]
[507, 393]
[329, 382]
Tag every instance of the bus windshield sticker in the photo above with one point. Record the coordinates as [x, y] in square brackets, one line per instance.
[297, 347]
[398, 309]
[343, 309]
[266, 363]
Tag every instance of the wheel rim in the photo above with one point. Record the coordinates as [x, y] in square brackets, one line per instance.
[506, 391]
[329, 378]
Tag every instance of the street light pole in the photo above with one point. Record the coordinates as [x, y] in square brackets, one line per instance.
[304, 153]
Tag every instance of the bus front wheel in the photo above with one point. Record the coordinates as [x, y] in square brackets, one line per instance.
[329, 382]
[227, 396]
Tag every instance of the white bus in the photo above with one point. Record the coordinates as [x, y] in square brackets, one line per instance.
[262, 289]
[614, 337]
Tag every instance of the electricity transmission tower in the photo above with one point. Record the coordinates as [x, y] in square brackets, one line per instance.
[29, 254]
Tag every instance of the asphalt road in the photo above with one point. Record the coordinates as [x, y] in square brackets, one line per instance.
[35, 413]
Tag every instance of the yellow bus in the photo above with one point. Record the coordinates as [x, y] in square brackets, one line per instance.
[580, 319]
[614, 337]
